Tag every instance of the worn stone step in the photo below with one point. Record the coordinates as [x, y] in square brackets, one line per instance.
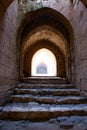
[49, 99]
[42, 92]
[44, 85]
[46, 80]
[37, 112]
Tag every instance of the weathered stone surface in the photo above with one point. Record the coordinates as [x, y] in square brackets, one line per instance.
[75, 12]
[75, 119]
[72, 100]
[66, 125]
[38, 113]
[52, 121]
[21, 125]
[49, 99]
[55, 92]
[35, 86]
[42, 104]
[45, 80]
[62, 118]
[8, 63]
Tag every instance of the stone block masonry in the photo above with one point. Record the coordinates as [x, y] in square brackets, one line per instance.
[76, 14]
[8, 52]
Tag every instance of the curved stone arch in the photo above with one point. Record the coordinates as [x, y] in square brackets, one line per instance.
[61, 72]
[44, 63]
[31, 16]
[47, 33]
[64, 24]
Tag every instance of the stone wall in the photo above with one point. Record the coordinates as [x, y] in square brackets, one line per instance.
[76, 14]
[8, 52]
[79, 23]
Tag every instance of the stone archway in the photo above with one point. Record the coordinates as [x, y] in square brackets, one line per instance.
[43, 63]
[61, 72]
[47, 25]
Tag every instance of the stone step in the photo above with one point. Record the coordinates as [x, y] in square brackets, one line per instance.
[42, 92]
[44, 85]
[45, 80]
[37, 112]
[48, 99]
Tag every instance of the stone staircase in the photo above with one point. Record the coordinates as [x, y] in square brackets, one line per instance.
[44, 98]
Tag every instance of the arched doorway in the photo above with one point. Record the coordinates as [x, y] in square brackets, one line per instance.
[43, 63]
[58, 37]
[60, 60]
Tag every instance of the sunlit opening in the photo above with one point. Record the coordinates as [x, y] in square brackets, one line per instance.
[44, 63]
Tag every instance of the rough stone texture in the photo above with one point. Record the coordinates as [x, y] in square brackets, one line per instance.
[66, 125]
[43, 107]
[51, 125]
[30, 85]
[80, 29]
[25, 111]
[48, 91]
[77, 16]
[44, 32]
[76, 13]
[39, 32]
[8, 52]
[49, 99]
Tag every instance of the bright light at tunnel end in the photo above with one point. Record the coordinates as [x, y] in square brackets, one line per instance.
[41, 58]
